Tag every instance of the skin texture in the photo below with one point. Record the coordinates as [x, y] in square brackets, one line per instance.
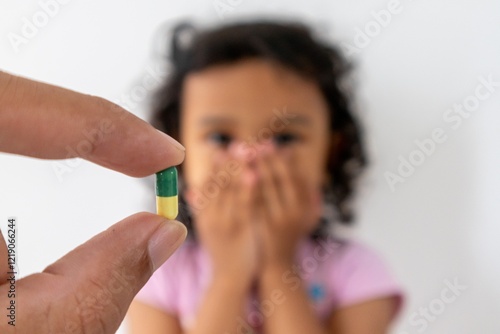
[89, 289]
[271, 199]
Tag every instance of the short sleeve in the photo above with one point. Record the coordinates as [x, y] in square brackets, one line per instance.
[361, 275]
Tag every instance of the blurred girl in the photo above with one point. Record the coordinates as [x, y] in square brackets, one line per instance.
[263, 111]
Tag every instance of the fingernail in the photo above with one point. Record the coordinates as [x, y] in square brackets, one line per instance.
[173, 141]
[165, 241]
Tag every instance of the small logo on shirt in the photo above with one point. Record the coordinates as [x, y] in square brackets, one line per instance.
[317, 292]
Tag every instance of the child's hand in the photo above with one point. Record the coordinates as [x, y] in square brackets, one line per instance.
[225, 228]
[289, 209]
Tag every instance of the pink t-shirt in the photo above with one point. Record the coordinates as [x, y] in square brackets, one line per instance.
[336, 274]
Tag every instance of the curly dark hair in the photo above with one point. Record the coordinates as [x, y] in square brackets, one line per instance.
[293, 46]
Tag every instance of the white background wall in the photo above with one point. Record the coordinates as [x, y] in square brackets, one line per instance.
[441, 224]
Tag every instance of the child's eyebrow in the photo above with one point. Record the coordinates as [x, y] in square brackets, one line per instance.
[298, 119]
[216, 120]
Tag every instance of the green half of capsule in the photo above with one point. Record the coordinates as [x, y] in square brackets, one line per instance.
[166, 193]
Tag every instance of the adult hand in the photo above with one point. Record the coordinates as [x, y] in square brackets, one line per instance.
[88, 290]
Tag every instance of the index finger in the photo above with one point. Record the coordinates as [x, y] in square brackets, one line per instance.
[44, 121]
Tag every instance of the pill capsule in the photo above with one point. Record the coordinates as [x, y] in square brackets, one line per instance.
[166, 193]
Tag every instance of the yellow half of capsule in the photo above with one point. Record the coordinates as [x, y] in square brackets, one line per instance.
[167, 206]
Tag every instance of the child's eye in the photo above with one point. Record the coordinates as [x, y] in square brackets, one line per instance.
[220, 139]
[282, 139]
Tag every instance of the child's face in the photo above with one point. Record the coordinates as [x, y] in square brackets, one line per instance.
[231, 111]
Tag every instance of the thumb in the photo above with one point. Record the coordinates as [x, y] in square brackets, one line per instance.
[90, 289]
